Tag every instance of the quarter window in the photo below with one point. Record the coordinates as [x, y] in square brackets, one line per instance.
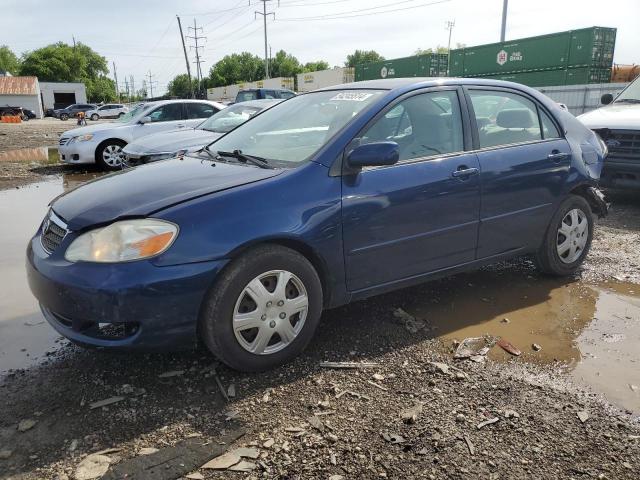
[167, 113]
[504, 118]
[423, 125]
[549, 129]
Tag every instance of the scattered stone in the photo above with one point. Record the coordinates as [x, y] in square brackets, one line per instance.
[460, 418]
[4, 454]
[474, 346]
[380, 387]
[332, 437]
[26, 424]
[511, 414]
[487, 422]
[583, 416]
[231, 391]
[333, 459]
[223, 462]
[505, 320]
[269, 442]
[472, 450]
[194, 476]
[127, 389]
[294, 430]
[336, 477]
[247, 452]
[93, 466]
[442, 367]
[105, 402]
[171, 373]
[536, 347]
[393, 437]
[378, 377]
[73, 445]
[316, 423]
[243, 466]
[324, 404]
[412, 324]
[461, 376]
[509, 347]
[147, 451]
[634, 388]
[411, 414]
[348, 364]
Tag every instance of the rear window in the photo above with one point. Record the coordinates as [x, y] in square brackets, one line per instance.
[247, 95]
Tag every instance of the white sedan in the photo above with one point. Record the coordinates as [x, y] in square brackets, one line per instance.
[103, 143]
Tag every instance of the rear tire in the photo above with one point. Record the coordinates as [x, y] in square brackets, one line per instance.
[109, 154]
[568, 238]
[263, 310]
[64, 117]
[94, 117]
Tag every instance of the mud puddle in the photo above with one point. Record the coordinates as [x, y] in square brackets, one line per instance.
[39, 155]
[25, 338]
[591, 330]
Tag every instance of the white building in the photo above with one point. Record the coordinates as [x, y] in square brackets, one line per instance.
[62, 94]
[21, 92]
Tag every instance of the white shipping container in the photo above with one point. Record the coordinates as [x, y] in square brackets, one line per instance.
[324, 78]
[581, 98]
[279, 82]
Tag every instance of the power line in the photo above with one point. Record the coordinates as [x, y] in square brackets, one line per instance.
[265, 14]
[348, 14]
[197, 48]
[151, 82]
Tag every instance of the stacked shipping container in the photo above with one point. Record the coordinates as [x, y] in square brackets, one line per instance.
[425, 65]
[565, 58]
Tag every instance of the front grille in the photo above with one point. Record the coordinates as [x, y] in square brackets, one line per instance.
[63, 140]
[53, 232]
[624, 145]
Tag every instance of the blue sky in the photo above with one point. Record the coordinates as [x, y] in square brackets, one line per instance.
[142, 35]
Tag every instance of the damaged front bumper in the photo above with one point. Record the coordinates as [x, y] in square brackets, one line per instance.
[598, 202]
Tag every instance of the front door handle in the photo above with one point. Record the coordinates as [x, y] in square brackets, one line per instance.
[556, 156]
[181, 125]
[463, 171]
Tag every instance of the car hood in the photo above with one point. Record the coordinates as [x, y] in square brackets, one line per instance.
[171, 141]
[617, 116]
[93, 129]
[143, 190]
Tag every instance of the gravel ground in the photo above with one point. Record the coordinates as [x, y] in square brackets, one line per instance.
[310, 422]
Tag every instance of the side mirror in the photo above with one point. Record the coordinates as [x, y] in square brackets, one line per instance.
[606, 99]
[144, 120]
[374, 155]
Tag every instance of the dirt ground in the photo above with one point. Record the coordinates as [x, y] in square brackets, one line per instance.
[413, 412]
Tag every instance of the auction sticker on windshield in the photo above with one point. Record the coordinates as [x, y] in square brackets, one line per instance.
[352, 96]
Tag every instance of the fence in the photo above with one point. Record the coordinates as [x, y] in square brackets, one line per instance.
[581, 98]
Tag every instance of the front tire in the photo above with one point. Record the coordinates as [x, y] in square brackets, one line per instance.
[64, 117]
[94, 117]
[568, 238]
[263, 310]
[109, 154]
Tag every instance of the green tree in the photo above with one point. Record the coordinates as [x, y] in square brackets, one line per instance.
[180, 87]
[236, 68]
[284, 64]
[362, 56]
[438, 49]
[8, 60]
[101, 89]
[315, 66]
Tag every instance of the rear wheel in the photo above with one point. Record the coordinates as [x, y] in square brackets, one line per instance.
[568, 238]
[121, 114]
[94, 116]
[64, 117]
[109, 154]
[263, 310]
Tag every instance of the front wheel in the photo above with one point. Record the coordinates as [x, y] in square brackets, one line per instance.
[568, 238]
[109, 154]
[94, 116]
[263, 310]
[64, 117]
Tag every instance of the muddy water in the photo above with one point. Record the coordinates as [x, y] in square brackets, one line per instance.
[594, 330]
[24, 335]
[39, 155]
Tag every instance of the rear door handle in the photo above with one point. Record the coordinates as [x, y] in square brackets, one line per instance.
[181, 125]
[556, 156]
[463, 172]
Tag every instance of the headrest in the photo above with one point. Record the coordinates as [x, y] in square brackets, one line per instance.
[515, 118]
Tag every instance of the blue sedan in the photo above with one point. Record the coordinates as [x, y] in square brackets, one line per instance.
[327, 198]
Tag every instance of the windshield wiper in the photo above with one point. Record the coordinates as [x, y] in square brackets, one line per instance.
[628, 100]
[244, 158]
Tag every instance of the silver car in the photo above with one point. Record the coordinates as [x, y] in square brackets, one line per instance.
[103, 143]
[166, 144]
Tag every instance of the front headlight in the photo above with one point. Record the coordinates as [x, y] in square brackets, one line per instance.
[82, 138]
[123, 241]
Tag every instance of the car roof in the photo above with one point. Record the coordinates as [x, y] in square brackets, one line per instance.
[263, 103]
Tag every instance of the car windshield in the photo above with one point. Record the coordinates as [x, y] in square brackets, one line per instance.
[229, 118]
[127, 117]
[291, 132]
[631, 93]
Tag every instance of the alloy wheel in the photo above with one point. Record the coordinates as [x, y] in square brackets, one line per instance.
[112, 155]
[572, 236]
[270, 312]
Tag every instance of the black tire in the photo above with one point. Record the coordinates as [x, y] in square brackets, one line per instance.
[25, 117]
[100, 153]
[64, 117]
[94, 117]
[215, 325]
[121, 114]
[548, 259]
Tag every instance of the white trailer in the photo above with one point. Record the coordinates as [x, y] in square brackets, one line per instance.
[324, 78]
[228, 93]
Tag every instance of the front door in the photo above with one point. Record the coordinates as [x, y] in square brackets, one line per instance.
[420, 215]
[524, 162]
[163, 119]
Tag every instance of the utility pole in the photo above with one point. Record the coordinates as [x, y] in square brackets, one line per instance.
[133, 86]
[126, 87]
[264, 19]
[195, 38]
[115, 77]
[186, 58]
[450, 25]
[503, 30]
[74, 41]
[151, 82]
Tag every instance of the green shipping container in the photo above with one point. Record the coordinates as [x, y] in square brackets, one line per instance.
[588, 47]
[550, 78]
[583, 75]
[428, 65]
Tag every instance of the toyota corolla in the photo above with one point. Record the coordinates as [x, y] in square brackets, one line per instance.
[329, 197]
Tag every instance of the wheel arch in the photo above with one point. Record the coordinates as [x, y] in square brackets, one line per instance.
[103, 142]
[590, 194]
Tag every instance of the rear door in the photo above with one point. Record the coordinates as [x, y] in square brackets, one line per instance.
[197, 112]
[420, 215]
[163, 118]
[524, 162]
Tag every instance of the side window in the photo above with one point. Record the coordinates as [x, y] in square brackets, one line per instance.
[200, 110]
[270, 94]
[549, 129]
[287, 94]
[504, 118]
[167, 113]
[424, 125]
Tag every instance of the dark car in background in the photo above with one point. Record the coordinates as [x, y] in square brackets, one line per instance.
[72, 110]
[263, 93]
[327, 198]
